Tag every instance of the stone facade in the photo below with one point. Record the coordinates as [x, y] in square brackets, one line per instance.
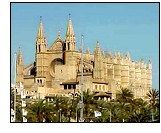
[57, 69]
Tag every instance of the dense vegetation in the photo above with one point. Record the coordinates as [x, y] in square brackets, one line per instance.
[125, 108]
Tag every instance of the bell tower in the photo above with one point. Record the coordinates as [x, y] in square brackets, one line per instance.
[19, 67]
[70, 40]
[41, 57]
[69, 45]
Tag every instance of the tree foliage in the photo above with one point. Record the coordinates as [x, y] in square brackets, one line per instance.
[125, 108]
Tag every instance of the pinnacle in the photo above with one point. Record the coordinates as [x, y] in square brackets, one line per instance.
[40, 31]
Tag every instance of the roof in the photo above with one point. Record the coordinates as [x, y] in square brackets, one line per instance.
[71, 81]
[99, 81]
[103, 94]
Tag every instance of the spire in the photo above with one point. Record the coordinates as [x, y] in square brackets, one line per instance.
[149, 61]
[70, 36]
[19, 57]
[70, 30]
[142, 60]
[19, 67]
[97, 49]
[88, 51]
[118, 55]
[103, 53]
[98, 45]
[109, 54]
[115, 55]
[149, 64]
[128, 56]
[59, 33]
[40, 31]
[41, 39]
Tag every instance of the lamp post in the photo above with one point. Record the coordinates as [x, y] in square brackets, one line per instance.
[60, 114]
[81, 83]
[15, 92]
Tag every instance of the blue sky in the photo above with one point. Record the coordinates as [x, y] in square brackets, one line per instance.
[132, 27]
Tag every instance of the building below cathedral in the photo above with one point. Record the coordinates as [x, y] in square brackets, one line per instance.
[57, 69]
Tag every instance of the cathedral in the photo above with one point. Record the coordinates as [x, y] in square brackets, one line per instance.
[57, 69]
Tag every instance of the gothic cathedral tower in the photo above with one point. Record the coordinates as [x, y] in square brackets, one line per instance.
[19, 68]
[41, 60]
[98, 72]
[69, 45]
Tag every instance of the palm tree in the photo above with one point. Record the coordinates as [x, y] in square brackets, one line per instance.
[153, 96]
[40, 109]
[124, 95]
[89, 103]
[139, 111]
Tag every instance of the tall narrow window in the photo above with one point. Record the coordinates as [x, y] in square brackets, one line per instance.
[68, 46]
[39, 48]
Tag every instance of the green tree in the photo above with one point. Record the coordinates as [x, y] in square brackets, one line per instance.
[89, 103]
[39, 110]
[124, 98]
[140, 111]
[124, 95]
[153, 96]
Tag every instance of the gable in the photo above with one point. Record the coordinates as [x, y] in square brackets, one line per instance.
[57, 45]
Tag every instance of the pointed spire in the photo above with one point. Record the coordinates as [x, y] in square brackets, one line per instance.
[103, 53]
[70, 38]
[19, 57]
[109, 54]
[118, 55]
[128, 56]
[70, 30]
[59, 33]
[149, 61]
[40, 31]
[97, 49]
[149, 64]
[142, 60]
[41, 39]
[88, 51]
[98, 45]
[115, 55]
